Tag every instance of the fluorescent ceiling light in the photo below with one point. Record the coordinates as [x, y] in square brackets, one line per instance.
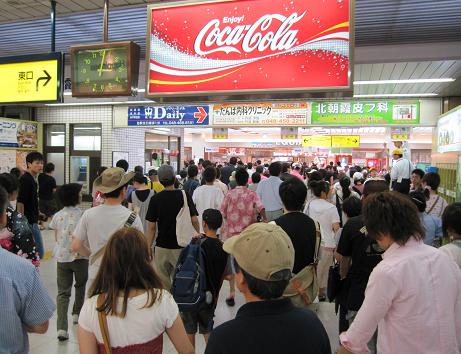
[404, 81]
[105, 103]
[398, 95]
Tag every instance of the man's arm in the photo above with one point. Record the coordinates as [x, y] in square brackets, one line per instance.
[195, 223]
[150, 233]
[80, 247]
[40, 329]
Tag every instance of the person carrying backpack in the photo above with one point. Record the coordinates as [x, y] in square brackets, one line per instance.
[206, 259]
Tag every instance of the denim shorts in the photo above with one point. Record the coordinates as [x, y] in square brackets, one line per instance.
[202, 319]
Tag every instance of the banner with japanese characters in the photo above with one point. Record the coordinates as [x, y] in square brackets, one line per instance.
[261, 114]
[365, 112]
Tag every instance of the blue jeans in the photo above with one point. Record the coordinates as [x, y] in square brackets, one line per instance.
[38, 240]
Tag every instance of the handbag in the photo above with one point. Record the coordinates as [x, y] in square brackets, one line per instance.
[103, 325]
[184, 228]
[334, 281]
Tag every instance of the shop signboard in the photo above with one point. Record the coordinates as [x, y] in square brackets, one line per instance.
[220, 133]
[261, 114]
[287, 133]
[20, 134]
[449, 131]
[366, 112]
[31, 78]
[345, 141]
[141, 116]
[248, 46]
[316, 141]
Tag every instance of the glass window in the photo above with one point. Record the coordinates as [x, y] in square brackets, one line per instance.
[87, 137]
[55, 134]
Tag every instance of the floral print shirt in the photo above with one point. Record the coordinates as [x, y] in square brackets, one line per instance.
[17, 237]
[64, 222]
[240, 209]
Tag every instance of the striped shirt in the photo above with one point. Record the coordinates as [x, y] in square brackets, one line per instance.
[24, 302]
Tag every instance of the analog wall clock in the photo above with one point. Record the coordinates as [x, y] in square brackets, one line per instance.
[104, 69]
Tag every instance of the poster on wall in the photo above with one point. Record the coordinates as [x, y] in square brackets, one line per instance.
[19, 134]
[8, 159]
[119, 155]
[261, 114]
[366, 112]
[215, 47]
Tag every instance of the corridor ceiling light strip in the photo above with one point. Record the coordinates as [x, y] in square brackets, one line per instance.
[398, 95]
[403, 81]
[105, 103]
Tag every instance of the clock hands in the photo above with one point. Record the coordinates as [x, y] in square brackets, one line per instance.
[102, 63]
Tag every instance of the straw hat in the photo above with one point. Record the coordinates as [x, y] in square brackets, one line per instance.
[112, 179]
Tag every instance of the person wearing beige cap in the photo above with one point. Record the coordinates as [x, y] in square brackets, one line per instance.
[263, 257]
[99, 223]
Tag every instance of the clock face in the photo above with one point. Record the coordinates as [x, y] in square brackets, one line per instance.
[101, 71]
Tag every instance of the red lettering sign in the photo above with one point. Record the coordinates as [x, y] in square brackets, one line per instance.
[248, 46]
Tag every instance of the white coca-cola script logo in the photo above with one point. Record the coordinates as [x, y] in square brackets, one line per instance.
[251, 37]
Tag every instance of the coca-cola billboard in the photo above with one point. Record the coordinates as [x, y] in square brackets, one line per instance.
[251, 46]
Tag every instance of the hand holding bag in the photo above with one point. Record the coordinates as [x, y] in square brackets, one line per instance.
[184, 228]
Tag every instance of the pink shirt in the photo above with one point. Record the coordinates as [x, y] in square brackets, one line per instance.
[414, 297]
[297, 174]
[239, 208]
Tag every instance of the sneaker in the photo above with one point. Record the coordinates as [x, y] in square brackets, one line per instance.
[62, 335]
[75, 319]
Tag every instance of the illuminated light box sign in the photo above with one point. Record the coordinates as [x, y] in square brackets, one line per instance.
[215, 47]
[20, 134]
[366, 112]
[31, 78]
[449, 132]
[334, 141]
[261, 114]
[168, 116]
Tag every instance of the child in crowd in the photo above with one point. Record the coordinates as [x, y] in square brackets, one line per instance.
[216, 270]
[69, 264]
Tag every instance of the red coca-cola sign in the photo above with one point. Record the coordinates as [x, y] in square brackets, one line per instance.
[248, 46]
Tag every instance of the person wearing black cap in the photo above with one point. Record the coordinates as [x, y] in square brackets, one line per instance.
[216, 269]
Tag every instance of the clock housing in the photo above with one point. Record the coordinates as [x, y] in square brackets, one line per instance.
[104, 69]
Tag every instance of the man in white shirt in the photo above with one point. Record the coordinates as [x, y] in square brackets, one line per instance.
[208, 196]
[401, 172]
[268, 192]
[99, 223]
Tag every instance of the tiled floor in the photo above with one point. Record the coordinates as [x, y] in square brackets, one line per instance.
[48, 344]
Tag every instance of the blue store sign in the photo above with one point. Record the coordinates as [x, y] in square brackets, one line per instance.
[168, 115]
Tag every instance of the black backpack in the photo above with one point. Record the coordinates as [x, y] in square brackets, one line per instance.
[189, 281]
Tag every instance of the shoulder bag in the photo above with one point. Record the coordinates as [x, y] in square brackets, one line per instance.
[103, 325]
[100, 252]
[433, 205]
[184, 228]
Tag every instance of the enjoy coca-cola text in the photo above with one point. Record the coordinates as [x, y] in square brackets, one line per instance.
[251, 37]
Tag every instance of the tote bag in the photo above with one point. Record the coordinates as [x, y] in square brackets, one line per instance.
[184, 228]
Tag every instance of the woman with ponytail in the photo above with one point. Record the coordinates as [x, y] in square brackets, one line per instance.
[435, 203]
[342, 193]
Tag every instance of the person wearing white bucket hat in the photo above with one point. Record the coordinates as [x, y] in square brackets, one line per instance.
[99, 223]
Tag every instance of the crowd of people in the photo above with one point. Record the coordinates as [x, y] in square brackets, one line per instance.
[385, 247]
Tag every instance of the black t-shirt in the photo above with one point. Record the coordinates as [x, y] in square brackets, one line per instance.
[142, 195]
[270, 327]
[28, 195]
[163, 209]
[301, 230]
[365, 254]
[46, 184]
[226, 172]
[215, 264]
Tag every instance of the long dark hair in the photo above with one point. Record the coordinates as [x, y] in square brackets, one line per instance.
[126, 265]
[345, 183]
[318, 187]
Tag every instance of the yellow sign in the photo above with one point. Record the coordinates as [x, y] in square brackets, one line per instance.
[30, 81]
[345, 141]
[400, 137]
[316, 141]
